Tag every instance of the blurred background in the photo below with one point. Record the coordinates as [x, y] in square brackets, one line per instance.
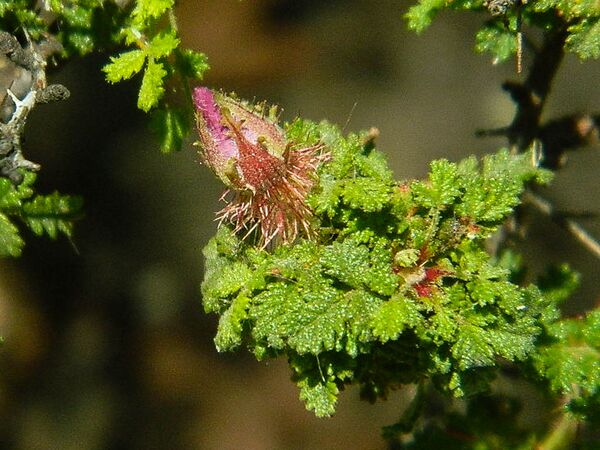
[106, 345]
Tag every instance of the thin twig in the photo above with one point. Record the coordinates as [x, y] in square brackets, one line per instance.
[492, 132]
[563, 432]
[530, 95]
[580, 233]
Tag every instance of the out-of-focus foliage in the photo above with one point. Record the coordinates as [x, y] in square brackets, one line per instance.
[488, 423]
[581, 20]
[43, 214]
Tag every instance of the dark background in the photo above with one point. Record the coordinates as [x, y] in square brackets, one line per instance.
[106, 344]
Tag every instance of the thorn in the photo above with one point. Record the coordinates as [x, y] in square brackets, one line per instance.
[18, 103]
[519, 52]
[349, 117]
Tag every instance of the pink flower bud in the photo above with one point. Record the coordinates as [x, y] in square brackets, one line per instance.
[268, 176]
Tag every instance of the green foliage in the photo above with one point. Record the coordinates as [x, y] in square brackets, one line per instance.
[585, 38]
[148, 57]
[157, 56]
[146, 10]
[125, 65]
[497, 39]
[147, 28]
[18, 13]
[171, 125]
[83, 25]
[191, 64]
[487, 423]
[397, 268]
[420, 16]
[558, 283]
[44, 215]
[396, 288]
[152, 88]
[498, 34]
[582, 18]
[570, 362]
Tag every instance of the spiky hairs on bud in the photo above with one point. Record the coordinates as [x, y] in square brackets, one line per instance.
[267, 176]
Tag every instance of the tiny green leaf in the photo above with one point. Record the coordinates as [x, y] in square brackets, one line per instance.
[229, 334]
[366, 193]
[10, 241]
[192, 64]
[124, 66]
[442, 187]
[393, 317]
[559, 283]
[407, 257]
[585, 38]
[496, 39]
[152, 85]
[171, 125]
[150, 9]
[420, 16]
[51, 214]
[473, 348]
[163, 44]
[320, 398]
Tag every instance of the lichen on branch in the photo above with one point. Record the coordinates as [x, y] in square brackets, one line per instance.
[27, 87]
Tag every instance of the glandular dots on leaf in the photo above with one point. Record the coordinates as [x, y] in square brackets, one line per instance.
[389, 265]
